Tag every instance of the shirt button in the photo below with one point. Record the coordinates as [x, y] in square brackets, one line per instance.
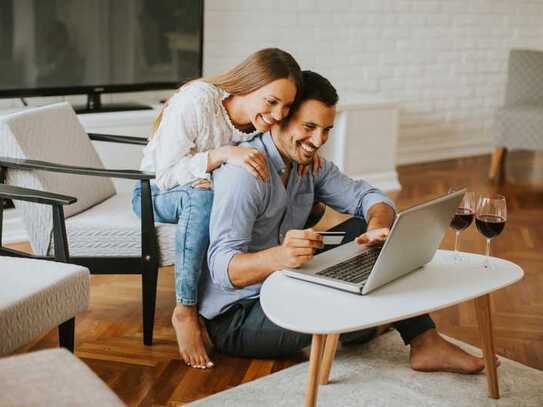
[282, 171]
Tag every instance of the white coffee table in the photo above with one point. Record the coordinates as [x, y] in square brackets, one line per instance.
[325, 313]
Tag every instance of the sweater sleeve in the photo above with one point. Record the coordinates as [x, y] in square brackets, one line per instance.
[175, 157]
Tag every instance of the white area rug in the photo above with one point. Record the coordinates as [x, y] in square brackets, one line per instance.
[378, 375]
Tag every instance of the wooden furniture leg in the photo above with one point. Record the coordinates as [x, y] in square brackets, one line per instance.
[497, 165]
[314, 365]
[328, 357]
[66, 334]
[482, 308]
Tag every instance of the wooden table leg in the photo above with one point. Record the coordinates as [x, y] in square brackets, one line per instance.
[497, 165]
[314, 365]
[482, 308]
[328, 357]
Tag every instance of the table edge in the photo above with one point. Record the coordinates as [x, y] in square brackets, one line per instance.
[391, 320]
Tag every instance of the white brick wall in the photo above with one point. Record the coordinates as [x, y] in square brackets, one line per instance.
[443, 61]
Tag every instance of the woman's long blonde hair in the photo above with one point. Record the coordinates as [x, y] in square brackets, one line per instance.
[259, 69]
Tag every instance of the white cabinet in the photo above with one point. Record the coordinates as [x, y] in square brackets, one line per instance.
[363, 142]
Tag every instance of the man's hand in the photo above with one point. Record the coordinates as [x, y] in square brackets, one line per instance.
[374, 237]
[299, 247]
[380, 220]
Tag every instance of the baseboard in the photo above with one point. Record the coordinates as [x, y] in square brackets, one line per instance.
[429, 149]
[13, 229]
[385, 181]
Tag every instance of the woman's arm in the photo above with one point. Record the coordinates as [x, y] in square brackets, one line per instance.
[176, 161]
[173, 147]
[249, 158]
[216, 158]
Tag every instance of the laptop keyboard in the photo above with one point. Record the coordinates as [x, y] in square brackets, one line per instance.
[354, 270]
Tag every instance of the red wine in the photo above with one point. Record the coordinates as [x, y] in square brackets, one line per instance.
[490, 225]
[462, 219]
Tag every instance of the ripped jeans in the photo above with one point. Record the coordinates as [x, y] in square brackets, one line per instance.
[189, 208]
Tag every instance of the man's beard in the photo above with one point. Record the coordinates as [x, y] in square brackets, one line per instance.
[302, 158]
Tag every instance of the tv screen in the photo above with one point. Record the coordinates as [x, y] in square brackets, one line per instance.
[50, 47]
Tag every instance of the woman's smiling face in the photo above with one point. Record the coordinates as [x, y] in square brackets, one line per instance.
[270, 104]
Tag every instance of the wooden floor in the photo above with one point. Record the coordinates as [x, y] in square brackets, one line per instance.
[109, 337]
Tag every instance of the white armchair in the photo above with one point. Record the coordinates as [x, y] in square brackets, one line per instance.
[519, 123]
[47, 149]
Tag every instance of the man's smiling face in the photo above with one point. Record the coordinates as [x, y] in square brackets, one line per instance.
[307, 130]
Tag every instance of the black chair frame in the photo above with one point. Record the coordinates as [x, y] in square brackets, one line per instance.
[147, 265]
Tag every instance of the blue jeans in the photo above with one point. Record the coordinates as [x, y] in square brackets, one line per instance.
[189, 208]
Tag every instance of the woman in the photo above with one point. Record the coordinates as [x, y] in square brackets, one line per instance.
[196, 132]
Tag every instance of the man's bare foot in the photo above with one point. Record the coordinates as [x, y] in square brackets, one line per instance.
[190, 336]
[430, 353]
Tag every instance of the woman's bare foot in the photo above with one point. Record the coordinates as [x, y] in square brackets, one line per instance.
[430, 353]
[190, 336]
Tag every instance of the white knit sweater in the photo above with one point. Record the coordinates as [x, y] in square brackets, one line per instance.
[194, 122]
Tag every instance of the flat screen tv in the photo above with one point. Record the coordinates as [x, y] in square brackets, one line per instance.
[67, 47]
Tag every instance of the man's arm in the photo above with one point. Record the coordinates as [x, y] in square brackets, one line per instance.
[238, 201]
[347, 195]
[380, 215]
[251, 268]
[358, 198]
[380, 219]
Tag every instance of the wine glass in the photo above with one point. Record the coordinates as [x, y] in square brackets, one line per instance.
[462, 219]
[490, 219]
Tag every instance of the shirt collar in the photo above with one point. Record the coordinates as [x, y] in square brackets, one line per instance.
[273, 153]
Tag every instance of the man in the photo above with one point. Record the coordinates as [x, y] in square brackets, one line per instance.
[256, 229]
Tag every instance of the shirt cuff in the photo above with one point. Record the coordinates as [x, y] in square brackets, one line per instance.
[372, 199]
[198, 165]
[219, 271]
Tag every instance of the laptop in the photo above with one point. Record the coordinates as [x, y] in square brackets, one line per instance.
[412, 242]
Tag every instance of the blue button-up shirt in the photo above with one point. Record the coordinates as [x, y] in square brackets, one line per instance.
[250, 215]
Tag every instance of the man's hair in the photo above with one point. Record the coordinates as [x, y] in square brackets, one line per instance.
[314, 87]
[317, 87]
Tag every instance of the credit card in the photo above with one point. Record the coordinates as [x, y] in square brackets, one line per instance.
[332, 238]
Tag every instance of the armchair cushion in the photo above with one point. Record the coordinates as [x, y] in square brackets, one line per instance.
[37, 295]
[52, 377]
[112, 229]
[520, 127]
[519, 123]
[524, 78]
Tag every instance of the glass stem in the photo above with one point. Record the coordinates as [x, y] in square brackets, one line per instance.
[456, 242]
[487, 262]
